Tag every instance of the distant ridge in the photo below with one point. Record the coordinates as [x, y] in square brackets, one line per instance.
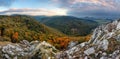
[69, 25]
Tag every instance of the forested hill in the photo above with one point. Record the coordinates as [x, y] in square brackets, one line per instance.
[69, 25]
[20, 27]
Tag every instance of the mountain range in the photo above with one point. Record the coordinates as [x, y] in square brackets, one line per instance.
[69, 25]
[72, 26]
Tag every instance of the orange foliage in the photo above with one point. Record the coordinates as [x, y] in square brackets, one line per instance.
[15, 35]
[87, 38]
[62, 42]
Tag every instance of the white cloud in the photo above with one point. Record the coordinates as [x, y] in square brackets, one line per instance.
[38, 11]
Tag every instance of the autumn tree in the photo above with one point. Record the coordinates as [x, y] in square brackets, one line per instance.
[60, 43]
[14, 37]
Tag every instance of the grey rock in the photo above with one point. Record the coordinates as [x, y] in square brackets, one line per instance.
[104, 54]
[89, 51]
[7, 56]
[25, 42]
[15, 57]
[72, 44]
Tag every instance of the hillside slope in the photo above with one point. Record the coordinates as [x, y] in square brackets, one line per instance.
[24, 27]
[70, 25]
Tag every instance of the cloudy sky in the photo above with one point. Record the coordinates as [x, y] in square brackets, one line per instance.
[78, 8]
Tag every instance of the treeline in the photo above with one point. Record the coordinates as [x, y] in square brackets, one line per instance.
[17, 28]
[69, 25]
[24, 27]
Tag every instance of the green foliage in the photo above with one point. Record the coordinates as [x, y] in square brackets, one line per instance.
[70, 25]
[26, 27]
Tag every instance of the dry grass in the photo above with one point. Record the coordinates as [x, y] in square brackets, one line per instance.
[3, 43]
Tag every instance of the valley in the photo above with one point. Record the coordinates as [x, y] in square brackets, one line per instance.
[28, 34]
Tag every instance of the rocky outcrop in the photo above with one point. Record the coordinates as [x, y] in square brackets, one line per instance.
[44, 51]
[104, 44]
[15, 50]
[28, 50]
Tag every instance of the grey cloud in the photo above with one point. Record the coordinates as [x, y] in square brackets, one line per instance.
[94, 8]
[96, 13]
